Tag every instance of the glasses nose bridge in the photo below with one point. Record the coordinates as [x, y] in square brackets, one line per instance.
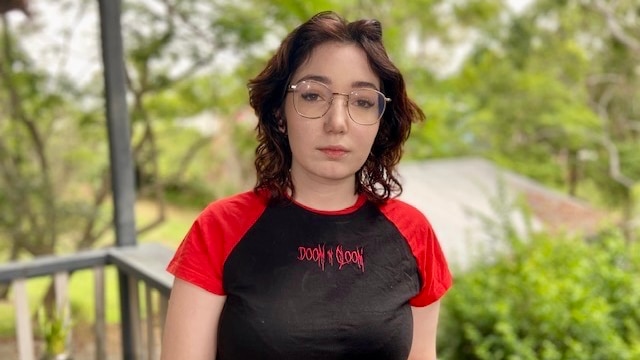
[333, 97]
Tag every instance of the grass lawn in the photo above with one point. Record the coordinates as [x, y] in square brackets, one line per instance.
[81, 285]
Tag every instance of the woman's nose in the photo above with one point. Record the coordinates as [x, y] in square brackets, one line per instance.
[337, 119]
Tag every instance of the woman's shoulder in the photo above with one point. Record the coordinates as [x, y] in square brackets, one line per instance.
[240, 205]
[410, 221]
[399, 210]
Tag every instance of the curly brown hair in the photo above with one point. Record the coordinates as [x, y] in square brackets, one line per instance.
[377, 178]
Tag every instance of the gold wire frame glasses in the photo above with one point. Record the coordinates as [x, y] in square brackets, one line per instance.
[313, 99]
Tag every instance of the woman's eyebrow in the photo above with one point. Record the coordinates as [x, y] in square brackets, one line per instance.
[319, 78]
[364, 84]
[327, 81]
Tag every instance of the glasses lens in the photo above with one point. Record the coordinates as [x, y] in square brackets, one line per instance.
[311, 99]
[366, 106]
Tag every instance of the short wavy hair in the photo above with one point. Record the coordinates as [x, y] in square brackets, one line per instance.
[377, 178]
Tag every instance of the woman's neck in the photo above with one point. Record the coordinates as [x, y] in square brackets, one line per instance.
[324, 196]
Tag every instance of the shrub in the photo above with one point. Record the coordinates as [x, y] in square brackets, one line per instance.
[551, 298]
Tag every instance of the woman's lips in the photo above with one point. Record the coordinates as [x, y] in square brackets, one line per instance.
[334, 152]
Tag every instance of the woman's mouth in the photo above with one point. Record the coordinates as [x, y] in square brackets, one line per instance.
[334, 152]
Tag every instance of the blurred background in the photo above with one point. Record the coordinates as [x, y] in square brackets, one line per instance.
[528, 164]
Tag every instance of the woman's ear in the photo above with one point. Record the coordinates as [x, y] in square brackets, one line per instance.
[282, 123]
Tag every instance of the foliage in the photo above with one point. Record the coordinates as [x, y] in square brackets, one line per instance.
[555, 297]
[548, 93]
[45, 174]
[55, 329]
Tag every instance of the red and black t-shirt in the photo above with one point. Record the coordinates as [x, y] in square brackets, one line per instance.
[308, 284]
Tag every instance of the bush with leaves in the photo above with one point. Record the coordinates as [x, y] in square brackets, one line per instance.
[549, 298]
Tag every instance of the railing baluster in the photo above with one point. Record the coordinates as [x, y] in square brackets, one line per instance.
[134, 301]
[100, 324]
[61, 285]
[151, 341]
[24, 332]
[164, 304]
[63, 308]
[162, 315]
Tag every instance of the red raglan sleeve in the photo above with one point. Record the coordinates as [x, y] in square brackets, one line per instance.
[200, 257]
[432, 265]
[430, 260]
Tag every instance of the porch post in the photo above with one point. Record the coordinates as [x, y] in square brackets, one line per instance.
[120, 155]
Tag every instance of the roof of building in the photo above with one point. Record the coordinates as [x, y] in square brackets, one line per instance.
[468, 202]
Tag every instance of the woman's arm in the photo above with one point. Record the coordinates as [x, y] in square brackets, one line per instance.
[191, 327]
[425, 326]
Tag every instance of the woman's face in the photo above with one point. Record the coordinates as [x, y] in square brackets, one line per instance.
[330, 149]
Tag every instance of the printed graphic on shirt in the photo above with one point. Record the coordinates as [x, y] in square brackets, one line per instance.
[333, 256]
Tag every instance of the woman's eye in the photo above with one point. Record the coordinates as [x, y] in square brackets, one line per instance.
[363, 103]
[311, 96]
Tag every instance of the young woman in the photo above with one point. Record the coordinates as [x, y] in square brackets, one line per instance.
[318, 261]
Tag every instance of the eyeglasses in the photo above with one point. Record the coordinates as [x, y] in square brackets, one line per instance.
[312, 100]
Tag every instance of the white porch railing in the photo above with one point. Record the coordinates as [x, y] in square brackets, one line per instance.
[141, 266]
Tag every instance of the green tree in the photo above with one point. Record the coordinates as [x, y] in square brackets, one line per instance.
[39, 164]
[548, 92]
